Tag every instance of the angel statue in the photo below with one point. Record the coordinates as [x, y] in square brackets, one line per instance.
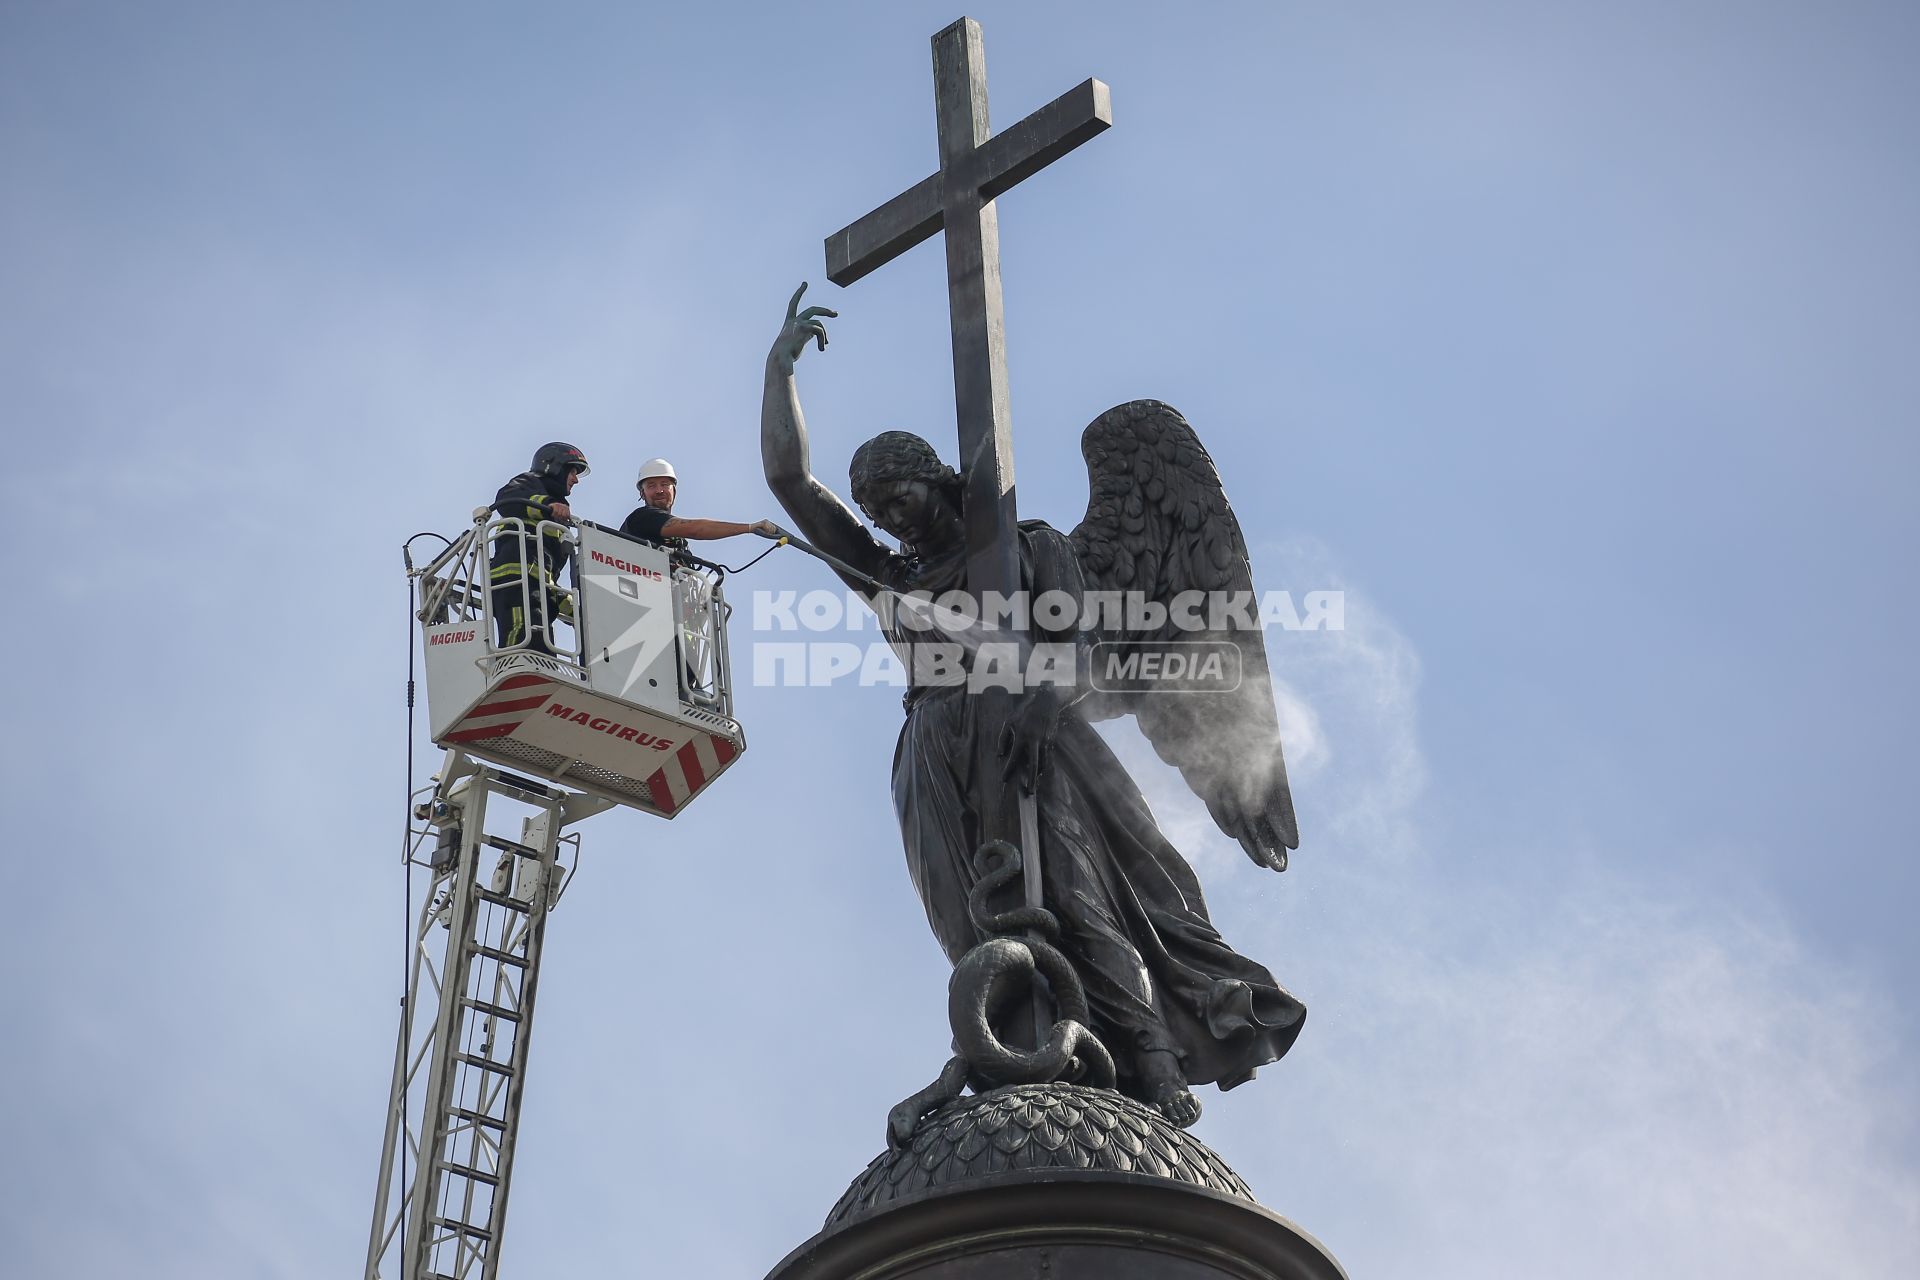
[1172, 1002]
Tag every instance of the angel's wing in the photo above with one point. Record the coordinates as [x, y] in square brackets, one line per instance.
[1158, 523]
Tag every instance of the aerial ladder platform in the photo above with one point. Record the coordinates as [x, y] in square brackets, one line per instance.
[618, 695]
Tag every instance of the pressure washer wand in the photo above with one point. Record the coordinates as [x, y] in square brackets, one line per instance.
[785, 539]
[967, 630]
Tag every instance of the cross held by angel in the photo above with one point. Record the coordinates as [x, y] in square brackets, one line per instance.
[1174, 1004]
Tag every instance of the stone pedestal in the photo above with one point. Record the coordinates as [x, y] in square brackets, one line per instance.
[1053, 1182]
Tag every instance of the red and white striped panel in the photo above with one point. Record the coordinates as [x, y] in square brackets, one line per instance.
[687, 770]
[506, 707]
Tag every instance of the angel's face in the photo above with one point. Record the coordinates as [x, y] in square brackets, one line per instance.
[915, 513]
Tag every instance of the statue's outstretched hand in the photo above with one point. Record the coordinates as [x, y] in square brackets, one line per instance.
[801, 328]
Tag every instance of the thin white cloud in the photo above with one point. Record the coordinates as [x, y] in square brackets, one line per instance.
[1594, 1078]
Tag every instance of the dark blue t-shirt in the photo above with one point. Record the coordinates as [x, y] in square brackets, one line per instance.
[647, 523]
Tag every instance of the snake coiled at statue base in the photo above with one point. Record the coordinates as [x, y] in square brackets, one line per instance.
[985, 980]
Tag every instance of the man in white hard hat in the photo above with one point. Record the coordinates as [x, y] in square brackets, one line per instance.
[653, 521]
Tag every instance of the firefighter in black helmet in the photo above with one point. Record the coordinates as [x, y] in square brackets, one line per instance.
[521, 580]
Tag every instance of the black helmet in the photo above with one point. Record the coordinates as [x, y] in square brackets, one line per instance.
[554, 459]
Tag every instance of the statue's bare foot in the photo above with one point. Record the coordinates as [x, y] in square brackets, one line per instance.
[1178, 1105]
[1167, 1088]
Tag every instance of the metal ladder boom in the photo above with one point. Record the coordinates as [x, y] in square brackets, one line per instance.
[460, 1063]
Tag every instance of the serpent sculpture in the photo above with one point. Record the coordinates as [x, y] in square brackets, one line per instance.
[985, 981]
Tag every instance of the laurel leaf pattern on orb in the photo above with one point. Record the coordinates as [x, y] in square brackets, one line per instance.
[1034, 1127]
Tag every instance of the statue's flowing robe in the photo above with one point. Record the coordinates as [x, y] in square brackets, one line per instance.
[1134, 923]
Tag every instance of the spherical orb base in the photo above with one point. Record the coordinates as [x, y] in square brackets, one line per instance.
[1059, 1181]
[1031, 1127]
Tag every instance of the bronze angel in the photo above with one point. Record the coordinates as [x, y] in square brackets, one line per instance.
[1174, 1004]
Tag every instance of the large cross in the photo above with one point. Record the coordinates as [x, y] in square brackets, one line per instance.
[976, 165]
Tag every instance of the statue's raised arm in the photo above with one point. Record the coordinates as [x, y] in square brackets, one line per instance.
[821, 516]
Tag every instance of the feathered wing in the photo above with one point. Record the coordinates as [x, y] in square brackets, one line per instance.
[1158, 523]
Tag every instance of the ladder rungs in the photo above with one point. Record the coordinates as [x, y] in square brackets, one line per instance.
[492, 1010]
[480, 1118]
[502, 900]
[504, 957]
[468, 1171]
[486, 1064]
[466, 1228]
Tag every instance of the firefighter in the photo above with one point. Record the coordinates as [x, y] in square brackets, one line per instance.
[525, 585]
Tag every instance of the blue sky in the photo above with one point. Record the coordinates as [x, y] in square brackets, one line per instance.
[1574, 343]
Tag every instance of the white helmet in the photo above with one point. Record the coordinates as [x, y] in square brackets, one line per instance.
[654, 469]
